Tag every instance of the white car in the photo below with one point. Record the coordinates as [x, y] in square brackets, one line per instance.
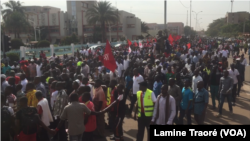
[94, 47]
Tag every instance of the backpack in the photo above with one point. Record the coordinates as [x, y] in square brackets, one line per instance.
[5, 119]
[29, 120]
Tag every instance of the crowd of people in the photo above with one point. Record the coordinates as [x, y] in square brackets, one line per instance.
[52, 98]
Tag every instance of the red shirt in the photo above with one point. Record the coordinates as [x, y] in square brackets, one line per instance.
[43, 55]
[91, 124]
[16, 81]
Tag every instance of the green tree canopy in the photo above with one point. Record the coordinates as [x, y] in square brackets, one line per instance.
[102, 13]
[144, 27]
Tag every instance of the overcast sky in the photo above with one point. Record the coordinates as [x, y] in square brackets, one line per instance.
[152, 11]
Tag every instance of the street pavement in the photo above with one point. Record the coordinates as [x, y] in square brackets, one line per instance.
[240, 116]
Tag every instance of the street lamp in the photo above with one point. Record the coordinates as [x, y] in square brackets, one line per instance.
[196, 17]
[34, 27]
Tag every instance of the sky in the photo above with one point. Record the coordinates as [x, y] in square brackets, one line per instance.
[152, 11]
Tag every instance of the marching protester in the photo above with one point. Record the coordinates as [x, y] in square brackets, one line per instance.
[71, 94]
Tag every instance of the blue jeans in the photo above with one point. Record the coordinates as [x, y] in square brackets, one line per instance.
[229, 100]
[75, 138]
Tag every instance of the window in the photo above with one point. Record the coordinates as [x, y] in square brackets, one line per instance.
[54, 30]
[88, 29]
[130, 26]
[85, 5]
[120, 28]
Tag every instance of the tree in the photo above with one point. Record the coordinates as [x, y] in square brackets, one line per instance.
[102, 13]
[12, 6]
[16, 22]
[144, 27]
[188, 31]
[16, 43]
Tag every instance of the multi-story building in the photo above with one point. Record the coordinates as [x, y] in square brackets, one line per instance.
[173, 27]
[237, 17]
[60, 24]
[129, 26]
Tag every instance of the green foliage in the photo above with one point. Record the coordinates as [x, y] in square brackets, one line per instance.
[219, 27]
[70, 39]
[13, 56]
[102, 12]
[189, 32]
[43, 43]
[16, 43]
[144, 27]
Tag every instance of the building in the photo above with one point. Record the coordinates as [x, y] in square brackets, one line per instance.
[237, 17]
[173, 27]
[43, 17]
[128, 27]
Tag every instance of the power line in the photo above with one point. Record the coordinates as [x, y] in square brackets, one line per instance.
[183, 4]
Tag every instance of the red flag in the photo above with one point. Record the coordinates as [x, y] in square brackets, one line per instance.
[188, 45]
[108, 58]
[200, 41]
[175, 38]
[129, 43]
[170, 39]
[135, 44]
[178, 37]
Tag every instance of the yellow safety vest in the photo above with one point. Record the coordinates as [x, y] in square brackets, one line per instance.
[207, 70]
[148, 103]
[108, 96]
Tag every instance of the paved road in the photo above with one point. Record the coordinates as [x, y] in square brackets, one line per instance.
[241, 113]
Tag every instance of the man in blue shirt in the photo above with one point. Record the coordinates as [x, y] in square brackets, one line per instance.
[200, 103]
[186, 103]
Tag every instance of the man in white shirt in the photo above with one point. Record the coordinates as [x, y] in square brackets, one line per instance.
[120, 70]
[136, 87]
[234, 73]
[85, 82]
[24, 82]
[196, 78]
[125, 63]
[224, 53]
[85, 69]
[204, 52]
[44, 113]
[38, 69]
[53, 98]
[52, 58]
[160, 111]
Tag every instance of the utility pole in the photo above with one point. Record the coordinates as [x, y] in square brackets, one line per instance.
[187, 17]
[190, 11]
[165, 14]
[232, 6]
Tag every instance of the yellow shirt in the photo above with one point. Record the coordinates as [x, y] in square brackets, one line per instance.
[32, 100]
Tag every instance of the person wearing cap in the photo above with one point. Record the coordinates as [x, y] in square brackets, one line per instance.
[4, 82]
[145, 108]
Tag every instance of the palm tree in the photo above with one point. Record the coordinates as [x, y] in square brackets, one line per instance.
[144, 27]
[102, 13]
[12, 6]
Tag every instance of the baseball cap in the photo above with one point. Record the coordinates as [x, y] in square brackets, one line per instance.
[3, 76]
[32, 60]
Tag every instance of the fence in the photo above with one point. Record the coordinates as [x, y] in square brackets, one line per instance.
[60, 50]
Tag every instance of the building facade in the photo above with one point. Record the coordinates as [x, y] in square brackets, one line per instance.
[237, 17]
[173, 27]
[60, 24]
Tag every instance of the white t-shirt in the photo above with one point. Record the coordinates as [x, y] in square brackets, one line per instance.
[53, 98]
[233, 74]
[125, 64]
[164, 71]
[24, 83]
[120, 69]
[188, 66]
[204, 52]
[38, 70]
[91, 90]
[224, 53]
[136, 81]
[244, 62]
[112, 75]
[195, 80]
